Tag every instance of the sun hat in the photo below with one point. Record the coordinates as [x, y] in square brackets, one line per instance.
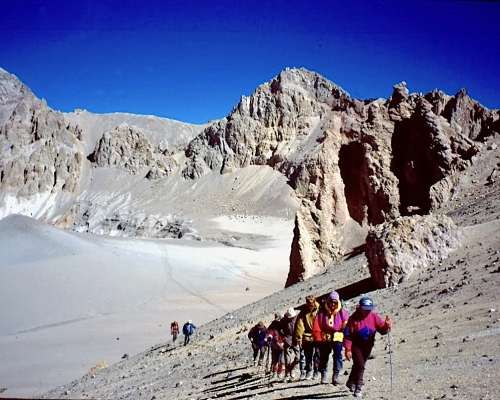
[334, 296]
[365, 303]
[290, 313]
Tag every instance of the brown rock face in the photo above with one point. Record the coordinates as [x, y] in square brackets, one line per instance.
[353, 164]
[399, 247]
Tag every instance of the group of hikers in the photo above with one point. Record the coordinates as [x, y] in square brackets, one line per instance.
[187, 330]
[304, 341]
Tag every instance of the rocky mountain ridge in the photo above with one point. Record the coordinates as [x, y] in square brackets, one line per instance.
[354, 165]
[348, 160]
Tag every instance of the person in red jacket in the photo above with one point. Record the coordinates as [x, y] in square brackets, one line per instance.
[359, 338]
[174, 330]
[327, 332]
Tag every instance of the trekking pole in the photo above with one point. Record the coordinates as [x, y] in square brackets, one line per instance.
[389, 340]
[267, 358]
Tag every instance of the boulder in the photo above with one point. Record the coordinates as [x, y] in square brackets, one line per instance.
[398, 248]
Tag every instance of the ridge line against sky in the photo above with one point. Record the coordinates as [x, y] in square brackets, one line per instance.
[192, 60]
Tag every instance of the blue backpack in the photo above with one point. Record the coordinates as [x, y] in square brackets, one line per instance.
[187, 329]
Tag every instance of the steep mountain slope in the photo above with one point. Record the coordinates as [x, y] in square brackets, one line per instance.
[444, 342]
[353, 164]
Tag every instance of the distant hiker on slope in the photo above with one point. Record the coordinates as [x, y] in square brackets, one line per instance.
[328, 333]
[276, 344]
[290, 351]
[304, 338]
[258, 338]
[360, 338]
[174, 330]
[187, 330]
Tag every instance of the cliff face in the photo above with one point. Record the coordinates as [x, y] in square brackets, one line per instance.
[41, 154]
[353, 164]
[367, 162]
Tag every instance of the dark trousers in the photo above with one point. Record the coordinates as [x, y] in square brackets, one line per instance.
[325, 348]
[360, 354]
[257, 350]
[186, 339]
[309, 356]
[174, 336]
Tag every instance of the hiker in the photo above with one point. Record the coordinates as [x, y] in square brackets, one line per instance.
[258, 338]
[304, 338]
[290, 351]
[276, 344]
[174, 330]
[328, 330]
[360, 338]
[187, 330]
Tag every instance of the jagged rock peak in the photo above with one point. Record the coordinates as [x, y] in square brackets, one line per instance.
[127, 147]
[12, 92]
[299, 81]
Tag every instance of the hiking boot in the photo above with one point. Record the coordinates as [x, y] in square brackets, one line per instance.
[273, 375]
[291, 376]
[308, 376]
[324, 379]
[351, 386]
[315, 376]
[335, 378]
[302, 375]
[357, 392]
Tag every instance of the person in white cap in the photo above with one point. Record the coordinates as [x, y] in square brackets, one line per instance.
[287, 328]
[187, 330]
[327, 332]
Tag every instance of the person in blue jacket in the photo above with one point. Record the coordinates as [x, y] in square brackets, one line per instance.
[258, 338]
[187, 330]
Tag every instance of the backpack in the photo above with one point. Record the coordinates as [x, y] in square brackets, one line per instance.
[187, 329]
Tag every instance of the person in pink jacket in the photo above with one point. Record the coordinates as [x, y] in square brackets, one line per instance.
[327, 333]
[359, 338]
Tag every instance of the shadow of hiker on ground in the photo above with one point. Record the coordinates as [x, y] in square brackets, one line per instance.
[223, 372]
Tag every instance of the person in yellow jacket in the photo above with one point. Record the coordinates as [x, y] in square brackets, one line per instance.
[303, 338]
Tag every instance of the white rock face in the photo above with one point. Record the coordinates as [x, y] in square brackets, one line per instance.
[41, 155]
[396, 249]
[161, 132]
[128, 148]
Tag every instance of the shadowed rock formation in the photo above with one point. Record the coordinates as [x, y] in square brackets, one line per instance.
[352, 163]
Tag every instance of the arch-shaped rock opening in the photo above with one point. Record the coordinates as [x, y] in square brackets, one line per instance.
[415, 164]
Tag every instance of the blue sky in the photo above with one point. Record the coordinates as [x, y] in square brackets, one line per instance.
[192, 60]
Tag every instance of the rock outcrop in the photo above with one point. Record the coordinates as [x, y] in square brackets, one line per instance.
[41, 154]
[347, 160]
[128, 148]
[398, 248]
